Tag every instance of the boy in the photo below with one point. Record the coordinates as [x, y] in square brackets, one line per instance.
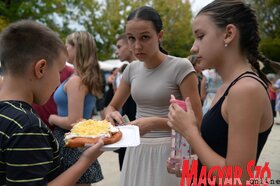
[31, 56]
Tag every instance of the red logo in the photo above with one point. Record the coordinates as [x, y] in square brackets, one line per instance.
[228, 175]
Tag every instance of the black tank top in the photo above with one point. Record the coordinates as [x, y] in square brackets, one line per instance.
[214, 129]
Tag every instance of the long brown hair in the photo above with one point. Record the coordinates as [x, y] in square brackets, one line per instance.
[86, 61]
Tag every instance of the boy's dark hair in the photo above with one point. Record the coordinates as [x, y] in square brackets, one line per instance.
[236, 12]
[25, 42]
[147, 13]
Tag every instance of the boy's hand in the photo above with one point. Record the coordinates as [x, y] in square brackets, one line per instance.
[93, 152]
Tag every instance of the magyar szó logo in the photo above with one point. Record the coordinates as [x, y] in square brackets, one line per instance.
[228, 175]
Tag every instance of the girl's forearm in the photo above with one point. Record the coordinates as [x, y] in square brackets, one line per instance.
[62, 122]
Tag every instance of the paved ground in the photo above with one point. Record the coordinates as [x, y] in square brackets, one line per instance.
[270, 153]
[110, 168]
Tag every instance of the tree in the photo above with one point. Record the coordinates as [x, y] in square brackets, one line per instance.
[176, 16]
[109, 23]
[39, 10]
[103, 19]
[268, 12]
[110, 20]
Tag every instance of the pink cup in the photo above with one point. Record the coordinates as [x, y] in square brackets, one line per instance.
[181, 103]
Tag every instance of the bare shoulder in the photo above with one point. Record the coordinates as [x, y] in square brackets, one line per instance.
[247, 97]
[75, 82]
[248, 87]
[248, 102]
[75, 79]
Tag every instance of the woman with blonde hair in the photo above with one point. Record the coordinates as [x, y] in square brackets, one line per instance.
[76, 96]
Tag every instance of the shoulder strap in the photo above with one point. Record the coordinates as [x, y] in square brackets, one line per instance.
[251, 75]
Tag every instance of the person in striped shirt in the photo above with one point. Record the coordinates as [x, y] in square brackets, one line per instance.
[31, 57]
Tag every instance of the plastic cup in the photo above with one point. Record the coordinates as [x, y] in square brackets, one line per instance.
[181, 149]
[181, 103]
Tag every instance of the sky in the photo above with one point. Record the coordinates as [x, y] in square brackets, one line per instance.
[198, 4]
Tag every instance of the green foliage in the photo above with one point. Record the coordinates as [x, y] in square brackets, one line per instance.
[104, 19]
[270, 48]
[39, 10]
[176, 17]
[108, 24]
[268, 12]
[3, 23]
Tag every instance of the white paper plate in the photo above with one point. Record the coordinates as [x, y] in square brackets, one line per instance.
[130, 138]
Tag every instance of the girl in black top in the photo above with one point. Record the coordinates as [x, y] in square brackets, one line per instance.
[236, 127]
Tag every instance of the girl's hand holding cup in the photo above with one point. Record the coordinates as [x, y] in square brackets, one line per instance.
[181, 117]
[181, 103]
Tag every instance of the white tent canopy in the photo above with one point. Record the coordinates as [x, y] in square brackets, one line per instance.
[109, 64]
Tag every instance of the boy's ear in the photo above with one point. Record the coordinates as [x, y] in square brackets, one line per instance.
[40, 68]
